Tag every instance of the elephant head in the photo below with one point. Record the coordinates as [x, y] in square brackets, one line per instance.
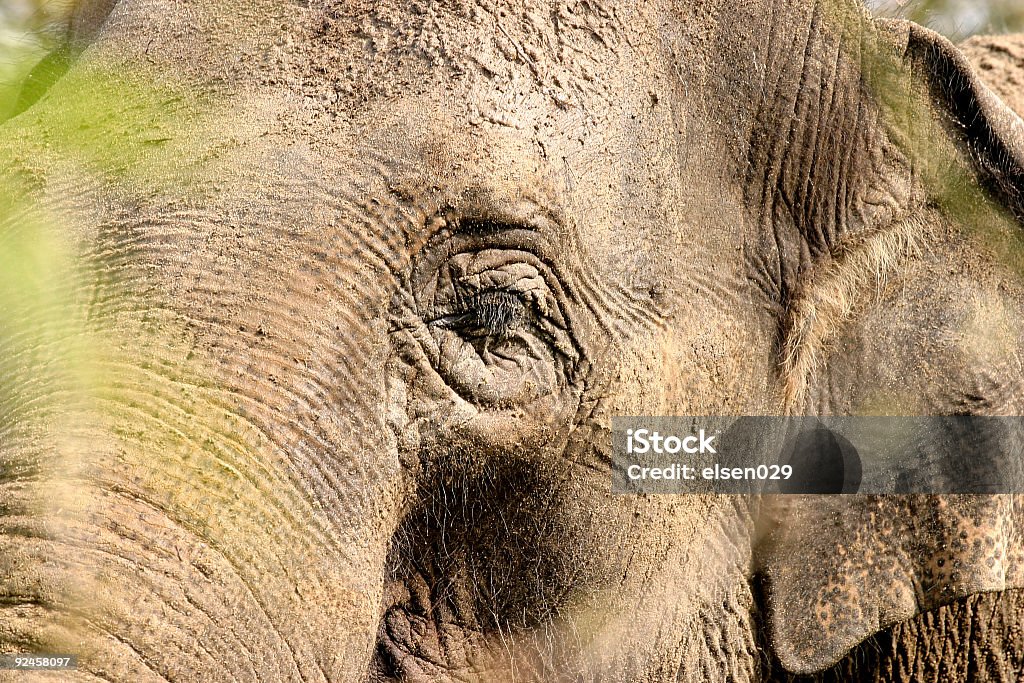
[361, 285]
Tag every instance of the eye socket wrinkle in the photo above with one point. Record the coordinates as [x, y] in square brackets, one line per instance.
[488, 213]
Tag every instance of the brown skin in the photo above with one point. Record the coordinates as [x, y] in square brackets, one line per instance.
[977, 638]
[1000, 61]
[372, 316]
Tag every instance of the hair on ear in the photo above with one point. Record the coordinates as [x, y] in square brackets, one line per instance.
[989, 129]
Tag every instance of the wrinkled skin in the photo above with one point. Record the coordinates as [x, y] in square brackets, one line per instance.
[977, 638]
[374, 306]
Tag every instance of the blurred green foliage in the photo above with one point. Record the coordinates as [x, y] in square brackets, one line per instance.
[100, 126]
[29, 29]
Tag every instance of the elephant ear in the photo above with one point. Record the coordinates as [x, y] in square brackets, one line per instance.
[1000, 60]
[988, 129]
[840, 568]
[837, 569]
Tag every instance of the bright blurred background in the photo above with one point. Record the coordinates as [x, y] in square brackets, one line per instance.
[958, 19]
[28, 30]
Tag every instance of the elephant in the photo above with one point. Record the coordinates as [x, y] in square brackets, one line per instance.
[315, 378]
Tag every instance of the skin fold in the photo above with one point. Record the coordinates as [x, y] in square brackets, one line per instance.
[976, 638]
[361, 285]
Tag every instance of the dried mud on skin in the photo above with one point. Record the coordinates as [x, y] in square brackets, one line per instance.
[1000, 60]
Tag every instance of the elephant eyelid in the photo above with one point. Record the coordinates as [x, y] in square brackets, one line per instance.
[484, 227]
[480, 216]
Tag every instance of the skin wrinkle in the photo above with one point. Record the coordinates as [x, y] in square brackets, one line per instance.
[303, 525]
[829, 299]
[289, 275]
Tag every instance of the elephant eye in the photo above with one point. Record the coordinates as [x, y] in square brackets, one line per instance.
[494, 312]
[502, 296]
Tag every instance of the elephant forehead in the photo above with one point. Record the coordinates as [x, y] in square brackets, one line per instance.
[500, 64]
[434, 159]
[341, 54]
[426, 144]
[558, 46]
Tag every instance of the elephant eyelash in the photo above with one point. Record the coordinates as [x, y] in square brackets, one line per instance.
[492, 312]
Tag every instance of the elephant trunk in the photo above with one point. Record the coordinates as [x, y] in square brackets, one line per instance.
[167, 533]
[191, 491]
